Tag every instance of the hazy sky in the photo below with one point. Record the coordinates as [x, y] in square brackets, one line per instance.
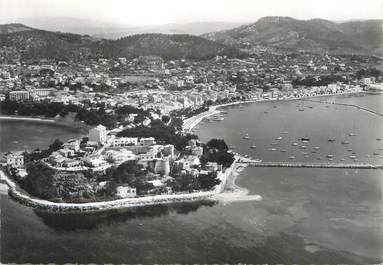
[144, 12]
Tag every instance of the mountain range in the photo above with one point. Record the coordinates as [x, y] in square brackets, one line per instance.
[34, 44]
[315, 35]
[107, 30]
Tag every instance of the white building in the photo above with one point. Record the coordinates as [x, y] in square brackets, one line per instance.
[98, 134]
[15, 160]
[125, 191]
[124, 141]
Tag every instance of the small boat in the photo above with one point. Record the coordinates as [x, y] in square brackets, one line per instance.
[285, 132]
[330, 159]
[352, 134]
[313, 151]
[273, 149]
[306, 156]
[257, 160]
[316, 147]
[380, 148]
[303, 147]
[294, 144]
[305, 153]
[265, 112]
[274, 107]
[352, 157]
[342, 159]
[301, 109]
[350, 150]
[375, 154]
[274, 143]
[219, 119]
[329, 156]
[283, 150]
[331, 140]
[279, 138]
[246, 137]
[345, 142]
[378, 139]
[318, 158]
[253, 146]
[305, 139]
[291, 157]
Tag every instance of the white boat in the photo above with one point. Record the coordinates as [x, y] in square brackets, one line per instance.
[352, 157]
[303, 147]
[294, 144]
[291, 157]
[253, 146]
[257, 160]
[273, 149]
[329, 156]
[274, 143]
[279, 138]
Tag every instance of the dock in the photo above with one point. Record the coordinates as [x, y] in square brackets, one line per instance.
[254, 163]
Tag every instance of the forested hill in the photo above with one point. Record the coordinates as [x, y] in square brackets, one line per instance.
[40, 44]
[315, 35]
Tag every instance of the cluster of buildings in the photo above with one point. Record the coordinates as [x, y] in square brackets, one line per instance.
[103, 150]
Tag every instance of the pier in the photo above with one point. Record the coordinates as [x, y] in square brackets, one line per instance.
[347, 105]
[255, 163]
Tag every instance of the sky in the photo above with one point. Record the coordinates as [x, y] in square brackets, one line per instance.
[149, 12]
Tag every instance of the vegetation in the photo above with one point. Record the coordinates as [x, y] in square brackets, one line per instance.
[49, 184]
[323, 80]
[183, 181]
[162, 133]
[40, 154]
[216, 150]
[370, 72]
[132, 174]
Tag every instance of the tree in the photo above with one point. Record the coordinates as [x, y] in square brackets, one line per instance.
[218, 144]
[208, 181]
[165, 119]
[56, 145]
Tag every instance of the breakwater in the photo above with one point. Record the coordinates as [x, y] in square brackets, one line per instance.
[347, 105]
[310, 165]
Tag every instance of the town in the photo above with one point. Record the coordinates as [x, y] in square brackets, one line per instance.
[135, 110]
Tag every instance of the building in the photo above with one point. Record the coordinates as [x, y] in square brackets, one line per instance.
[98, 134]
[15, 160]
[125, 191]
[124, 141]
[119, 156]
[147, 141]
[162, 166]
[18, 95]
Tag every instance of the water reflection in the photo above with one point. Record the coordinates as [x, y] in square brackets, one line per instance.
[74, 221]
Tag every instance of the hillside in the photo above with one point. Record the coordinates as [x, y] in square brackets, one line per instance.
[166, 46]
[316, 35]
[109, 30]
[14, 27]
[39, 44]
[196, 28]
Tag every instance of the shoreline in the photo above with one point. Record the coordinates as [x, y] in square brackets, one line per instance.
[193, 121]
[61, 121]
[24, 118]
[126, 203]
